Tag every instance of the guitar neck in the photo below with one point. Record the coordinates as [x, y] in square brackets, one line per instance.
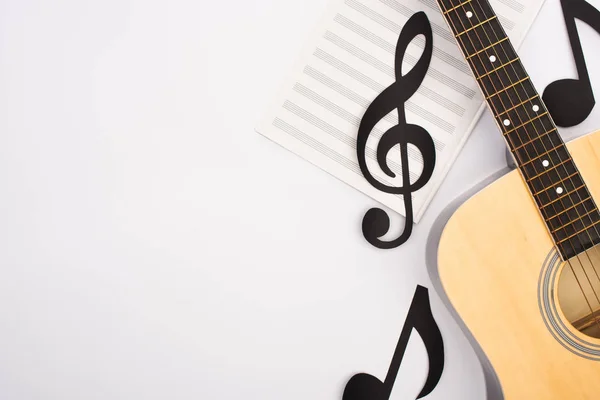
[541, 155]
[504, 82]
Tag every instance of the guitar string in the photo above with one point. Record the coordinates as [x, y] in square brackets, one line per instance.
[502, 102]
[563, 166]
[554, 149]
[495, 89]
[525, 123]
[588, 213]
[548, 151]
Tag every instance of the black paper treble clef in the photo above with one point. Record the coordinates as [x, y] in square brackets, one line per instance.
[376, 222]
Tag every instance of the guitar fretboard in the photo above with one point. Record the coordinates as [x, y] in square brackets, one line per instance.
[553, 179]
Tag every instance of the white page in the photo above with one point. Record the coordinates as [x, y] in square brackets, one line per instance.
[346, 64]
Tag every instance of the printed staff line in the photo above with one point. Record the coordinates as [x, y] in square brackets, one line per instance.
[356, 98]
[342, 137]
[344, 114]
[440, 30]
[515, 5]
[389, 71]
[508, 24]
[367, 81]
[459, 64]
[442, 124]
[339, 111]
[327, 104]
[324, 150]
[377, 5]
[319, 123]
[391, 49]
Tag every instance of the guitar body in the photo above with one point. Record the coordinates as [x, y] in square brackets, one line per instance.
[503, 276]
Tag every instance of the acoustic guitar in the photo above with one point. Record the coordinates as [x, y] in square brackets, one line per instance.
[520, 260]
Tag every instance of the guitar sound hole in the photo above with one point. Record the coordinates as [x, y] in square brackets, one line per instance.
[579, 292]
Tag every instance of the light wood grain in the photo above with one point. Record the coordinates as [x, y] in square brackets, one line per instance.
[490, 257]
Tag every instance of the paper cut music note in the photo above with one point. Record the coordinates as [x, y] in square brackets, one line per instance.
[376, 222]
[420, 318]
[570, 101]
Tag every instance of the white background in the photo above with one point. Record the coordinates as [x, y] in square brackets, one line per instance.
[153, 246]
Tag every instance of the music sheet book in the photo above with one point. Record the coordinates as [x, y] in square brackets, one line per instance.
[349, 61]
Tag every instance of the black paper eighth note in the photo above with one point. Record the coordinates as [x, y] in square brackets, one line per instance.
[571, 101]
[420, 318]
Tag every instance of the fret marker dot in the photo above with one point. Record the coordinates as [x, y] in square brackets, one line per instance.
[559, 190]
[536, 108]
[506, 122]
[469, 14]
[546, 163]
[493, 58]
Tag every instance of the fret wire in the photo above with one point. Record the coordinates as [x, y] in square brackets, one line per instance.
[550, 169]
[508, 87]
[506, 109]
[564, 195]
[500, 79]
[552, 144]
[478, 25]
[519, 116]
[493, 84]
[487, 48]
[521, 90]
[581, 231]
[494, 70]
[483, 65]
[520, 104]
[572, 222]
[534, 139]
[561, 181]
[458, 6]
[528, 122]
[547, 152]
[568, 209]
[469, 58]
[571, 180]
